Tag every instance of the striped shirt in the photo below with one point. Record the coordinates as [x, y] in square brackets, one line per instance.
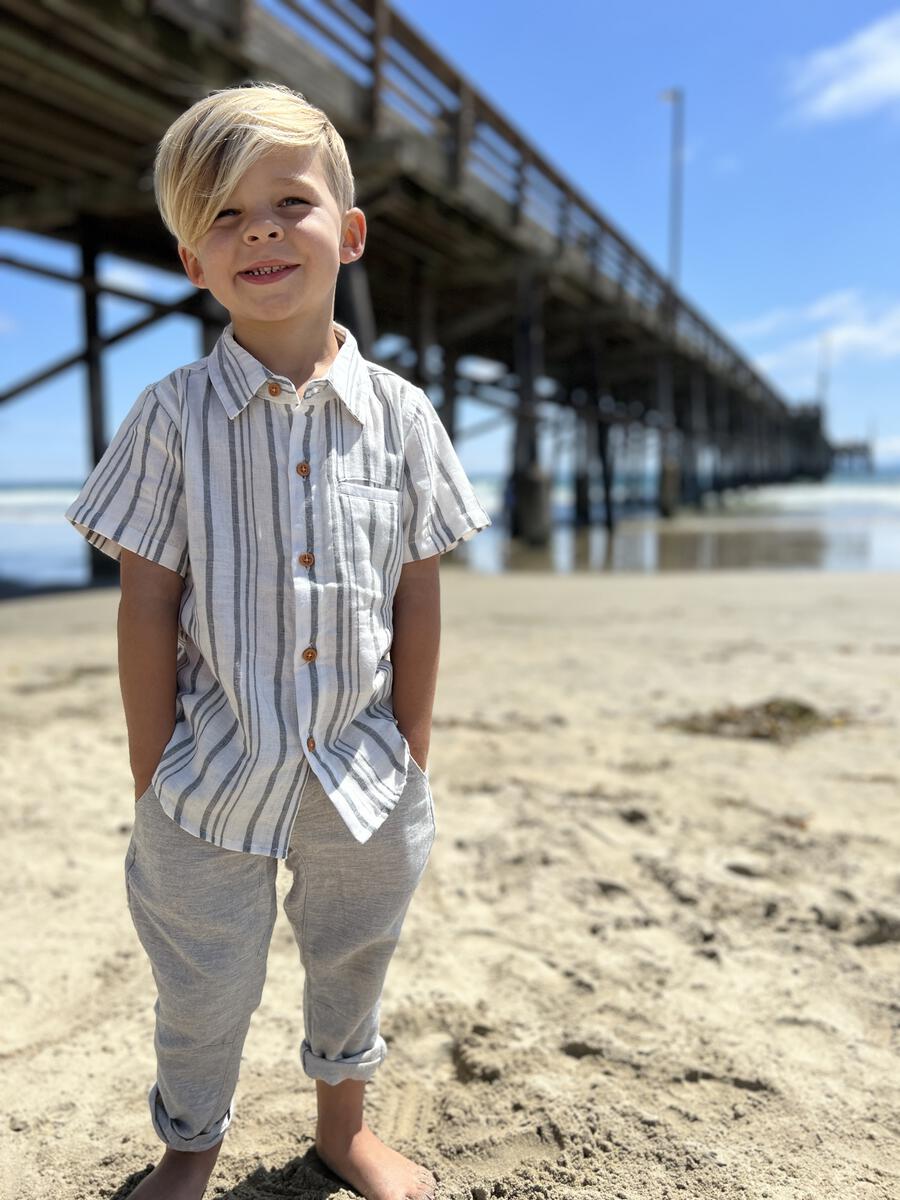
[289, 519]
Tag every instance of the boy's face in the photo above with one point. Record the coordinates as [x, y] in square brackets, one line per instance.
[269, 218]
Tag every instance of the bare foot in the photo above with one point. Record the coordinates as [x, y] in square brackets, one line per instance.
[179, 1175]
[374, 1169]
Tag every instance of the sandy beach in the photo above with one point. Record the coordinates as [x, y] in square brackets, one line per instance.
[643, 962]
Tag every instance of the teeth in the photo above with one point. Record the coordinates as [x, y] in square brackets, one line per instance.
[264, 270]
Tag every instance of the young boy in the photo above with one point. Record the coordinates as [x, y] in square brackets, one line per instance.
[278, 510]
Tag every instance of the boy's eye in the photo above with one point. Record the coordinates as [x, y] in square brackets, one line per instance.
[284, 201]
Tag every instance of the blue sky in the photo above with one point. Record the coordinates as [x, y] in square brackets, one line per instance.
[792, 174]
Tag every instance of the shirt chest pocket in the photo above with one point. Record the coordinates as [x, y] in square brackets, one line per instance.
[366, 465]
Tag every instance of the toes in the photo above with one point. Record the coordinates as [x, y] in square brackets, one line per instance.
[426, 1189]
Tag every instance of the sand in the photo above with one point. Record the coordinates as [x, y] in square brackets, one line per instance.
[642, 962]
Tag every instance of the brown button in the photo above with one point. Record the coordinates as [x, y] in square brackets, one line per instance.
[274, 389]
[310, 743]
[307, 559]
[309, 653]
[303, 468]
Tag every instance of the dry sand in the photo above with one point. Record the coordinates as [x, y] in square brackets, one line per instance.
[642, 963]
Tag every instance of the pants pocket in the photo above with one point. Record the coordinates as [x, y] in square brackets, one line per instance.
[143, 795]
[129, 856]
[415, 771]
[431, 811]
[414, 766]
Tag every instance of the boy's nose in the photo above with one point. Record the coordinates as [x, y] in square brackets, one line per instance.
[262, 226]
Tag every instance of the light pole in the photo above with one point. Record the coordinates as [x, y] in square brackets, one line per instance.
[669, 487]
[675, 96]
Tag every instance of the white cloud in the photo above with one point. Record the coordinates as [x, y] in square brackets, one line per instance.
[767, 323]
[874, 338]
[845, 305]
[850, 79]
[7, 324]
[838, 327]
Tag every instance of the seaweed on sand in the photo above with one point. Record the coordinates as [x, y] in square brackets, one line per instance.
[779, 720]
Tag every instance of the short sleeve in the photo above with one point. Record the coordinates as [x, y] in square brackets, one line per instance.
[134, 497]
[439, 506]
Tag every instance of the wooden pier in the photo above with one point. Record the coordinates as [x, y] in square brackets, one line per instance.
[476, 243]
[856, 457]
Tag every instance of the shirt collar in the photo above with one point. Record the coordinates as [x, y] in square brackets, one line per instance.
[237, 376]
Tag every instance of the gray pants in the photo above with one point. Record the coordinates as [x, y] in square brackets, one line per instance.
[205, 917]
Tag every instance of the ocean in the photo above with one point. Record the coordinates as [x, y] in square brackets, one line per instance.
[847, 523]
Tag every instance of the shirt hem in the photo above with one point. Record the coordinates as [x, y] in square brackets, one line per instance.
[129, 539]
[459, 533]
[265, 850]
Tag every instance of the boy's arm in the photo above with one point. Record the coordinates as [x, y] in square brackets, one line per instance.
[148, 645]
[415, 651]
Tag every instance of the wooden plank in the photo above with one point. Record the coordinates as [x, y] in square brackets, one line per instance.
[214, 20]
[129, 49]
[34, 88]
[55, 205]
[19, 175]
[83, 84]
[27, 159]
[60, 139]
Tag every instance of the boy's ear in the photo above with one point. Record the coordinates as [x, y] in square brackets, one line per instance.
[192, 267]
[354, 240]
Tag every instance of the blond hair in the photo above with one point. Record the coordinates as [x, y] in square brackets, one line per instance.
[206, 150]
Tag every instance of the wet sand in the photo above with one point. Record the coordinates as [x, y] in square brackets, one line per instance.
[642, 963]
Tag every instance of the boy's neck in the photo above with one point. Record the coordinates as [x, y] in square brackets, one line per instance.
[297, 352]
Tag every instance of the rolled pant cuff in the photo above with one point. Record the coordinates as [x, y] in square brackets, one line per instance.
[336, 1070]
[166, 1132]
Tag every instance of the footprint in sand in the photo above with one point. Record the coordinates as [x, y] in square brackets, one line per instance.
[13, 991]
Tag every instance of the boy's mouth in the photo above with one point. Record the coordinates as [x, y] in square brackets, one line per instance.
[267, 274]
